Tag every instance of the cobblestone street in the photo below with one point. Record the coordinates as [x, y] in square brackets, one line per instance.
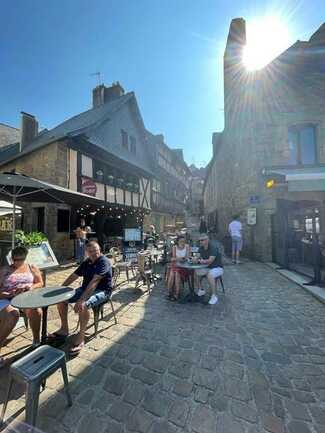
[255, 363]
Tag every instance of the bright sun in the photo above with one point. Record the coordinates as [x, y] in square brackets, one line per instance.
[266, 38]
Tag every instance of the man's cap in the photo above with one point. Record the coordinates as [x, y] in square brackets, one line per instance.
[203, 237]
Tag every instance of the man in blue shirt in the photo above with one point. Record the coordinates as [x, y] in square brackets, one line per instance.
[96, 288]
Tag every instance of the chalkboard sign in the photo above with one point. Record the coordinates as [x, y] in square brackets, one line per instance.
[40, 255]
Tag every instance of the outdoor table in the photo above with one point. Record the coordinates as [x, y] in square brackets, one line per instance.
[43, 298]
[190, 267]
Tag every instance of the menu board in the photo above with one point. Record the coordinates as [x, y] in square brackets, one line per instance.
[133, 234]
[40, 255]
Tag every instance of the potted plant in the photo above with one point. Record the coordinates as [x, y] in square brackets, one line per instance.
[29, 239]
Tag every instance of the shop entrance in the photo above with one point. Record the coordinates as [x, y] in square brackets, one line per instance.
[296, 229]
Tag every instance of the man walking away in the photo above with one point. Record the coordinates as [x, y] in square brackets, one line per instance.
[235, 231]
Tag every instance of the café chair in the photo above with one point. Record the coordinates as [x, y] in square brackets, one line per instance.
[99, 311]
[143, 272]
[32, 371]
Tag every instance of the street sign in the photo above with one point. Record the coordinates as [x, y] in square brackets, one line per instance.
[254, 199]
[251, 216]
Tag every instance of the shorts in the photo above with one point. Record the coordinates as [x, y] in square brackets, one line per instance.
[237, 244]
[4, 303]
[97, 298]
[214, 272]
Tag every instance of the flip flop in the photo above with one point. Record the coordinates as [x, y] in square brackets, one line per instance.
[76, 349]
[56, 337]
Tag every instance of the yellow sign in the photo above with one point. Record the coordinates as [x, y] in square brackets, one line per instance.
[270, 183]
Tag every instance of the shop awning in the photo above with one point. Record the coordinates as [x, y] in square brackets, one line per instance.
[301, 179]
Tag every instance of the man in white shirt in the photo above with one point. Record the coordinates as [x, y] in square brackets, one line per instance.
[235, 231]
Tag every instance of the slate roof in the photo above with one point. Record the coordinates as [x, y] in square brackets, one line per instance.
[8, 135]
[91, 124]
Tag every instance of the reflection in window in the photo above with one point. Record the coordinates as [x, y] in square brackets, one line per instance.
[302, 145]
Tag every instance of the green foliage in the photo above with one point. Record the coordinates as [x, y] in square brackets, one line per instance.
[29, 239]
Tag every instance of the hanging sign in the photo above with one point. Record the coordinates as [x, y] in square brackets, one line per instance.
[88, 186]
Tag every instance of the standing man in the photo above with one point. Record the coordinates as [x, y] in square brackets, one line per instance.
[96, 288]
[235, 230]
[210, 256]
[81, 237]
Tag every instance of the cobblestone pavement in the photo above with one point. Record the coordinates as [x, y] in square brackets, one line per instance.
[255, 363]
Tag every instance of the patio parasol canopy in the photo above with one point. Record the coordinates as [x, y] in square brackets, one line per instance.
[19, 187]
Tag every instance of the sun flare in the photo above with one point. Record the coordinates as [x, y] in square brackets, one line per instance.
[266, 38]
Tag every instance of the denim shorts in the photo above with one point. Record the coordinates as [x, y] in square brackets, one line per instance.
[97, 298]
[237, 243]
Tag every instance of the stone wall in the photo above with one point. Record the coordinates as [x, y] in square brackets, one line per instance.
[259, 109]
[50, 164]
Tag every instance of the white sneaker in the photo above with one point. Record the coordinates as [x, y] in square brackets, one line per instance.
[201, 292]
[213, 300]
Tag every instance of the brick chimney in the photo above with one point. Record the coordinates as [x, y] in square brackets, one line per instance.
[28, 130]
[103, 94]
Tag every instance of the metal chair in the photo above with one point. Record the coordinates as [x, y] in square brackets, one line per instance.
[99, 310]
[32, 370]
[143, 273]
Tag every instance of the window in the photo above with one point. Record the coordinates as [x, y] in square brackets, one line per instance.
[302, 145]
[63, 220]
[125, 139]
[38, 219]
[99, 171]
[133, 145]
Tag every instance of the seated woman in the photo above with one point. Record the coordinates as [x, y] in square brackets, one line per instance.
[14, 279]
[180, 252]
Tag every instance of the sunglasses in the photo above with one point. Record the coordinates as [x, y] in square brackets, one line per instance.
[18, 259]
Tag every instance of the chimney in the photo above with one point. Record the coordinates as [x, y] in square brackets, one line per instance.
[236, 42]
[234, 71]
[28, 130]
[103, 94]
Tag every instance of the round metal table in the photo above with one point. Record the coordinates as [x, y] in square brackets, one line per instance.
[191, 267]
[42, 298]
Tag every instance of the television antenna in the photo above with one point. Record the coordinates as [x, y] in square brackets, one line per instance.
[98, 75]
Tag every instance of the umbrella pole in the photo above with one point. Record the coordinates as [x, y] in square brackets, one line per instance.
[13, 220]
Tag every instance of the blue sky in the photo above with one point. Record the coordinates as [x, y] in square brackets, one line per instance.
[168, 51]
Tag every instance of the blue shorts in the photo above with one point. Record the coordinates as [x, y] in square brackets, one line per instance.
[97, 298]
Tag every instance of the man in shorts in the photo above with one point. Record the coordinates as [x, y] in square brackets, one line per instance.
[210, 256]
[96, 288]
[235, 230]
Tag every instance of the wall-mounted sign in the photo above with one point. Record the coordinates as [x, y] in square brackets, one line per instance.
[254, 199]
[6, 224]
[251, 216]
[88, 186]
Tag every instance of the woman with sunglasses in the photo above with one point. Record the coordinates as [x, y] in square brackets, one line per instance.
[15, 279]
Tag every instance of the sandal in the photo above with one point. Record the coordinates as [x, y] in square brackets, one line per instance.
[76, 349]
[2, 362]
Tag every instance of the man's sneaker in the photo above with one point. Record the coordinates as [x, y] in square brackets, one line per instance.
[201, 292]
[213, 300]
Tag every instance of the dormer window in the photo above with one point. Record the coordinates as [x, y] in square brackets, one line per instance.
[302, 145]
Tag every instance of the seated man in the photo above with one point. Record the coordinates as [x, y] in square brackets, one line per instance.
[211, 256]
[96, 287]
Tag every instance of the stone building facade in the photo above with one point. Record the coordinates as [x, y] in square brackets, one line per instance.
[274, 130]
